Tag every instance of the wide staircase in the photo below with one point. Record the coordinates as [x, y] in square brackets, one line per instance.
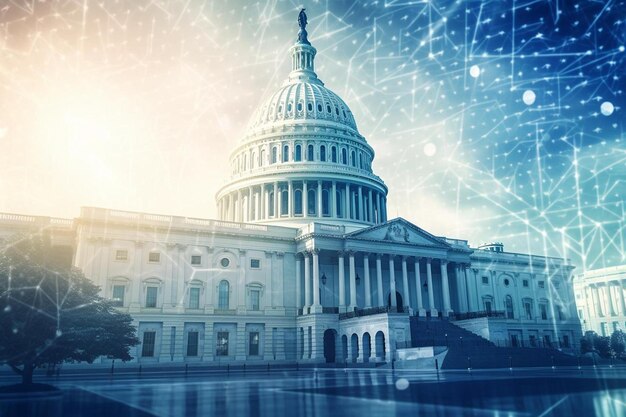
[466, 349]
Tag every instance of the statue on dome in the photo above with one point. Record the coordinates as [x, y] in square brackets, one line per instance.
[302, 22]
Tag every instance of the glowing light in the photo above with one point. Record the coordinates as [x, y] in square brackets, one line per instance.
[529, 97]
[402, 384]
[607, 108]
[430, 149]
[474, 71]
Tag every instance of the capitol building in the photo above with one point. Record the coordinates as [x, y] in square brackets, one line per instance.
[303, 263]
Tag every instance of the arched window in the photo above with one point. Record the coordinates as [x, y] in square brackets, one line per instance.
[298, 153]
[309, 107]
[353, 157]
[245, 162]
[309, 153]
[224, 290]
[323, 153]
[253, 161]
[508, 304]
[262, 158]
[361, 160]
[311, 202]
[286, 153]
[333, 154]
[284, 202]
[297, 208]
[271, 204]
[338, 201]
[325, 203]
[344, 156]
[274, 155]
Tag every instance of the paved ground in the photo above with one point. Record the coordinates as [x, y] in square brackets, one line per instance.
[343, 392]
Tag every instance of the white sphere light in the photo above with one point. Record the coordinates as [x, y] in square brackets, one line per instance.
[474, 71]
[402, 384]
[607, 108]
[529, 97]
[430, 149]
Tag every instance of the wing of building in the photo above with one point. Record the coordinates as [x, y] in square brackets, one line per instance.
[303, 263]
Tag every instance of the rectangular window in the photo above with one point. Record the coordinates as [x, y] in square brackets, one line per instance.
[488, 306]
[565, 341]
[254, 299]
[151, 297]
[528, 310]
[544, 311]
[253, 345]
[485, 280]
[255, 263]
[533, 340]
[192, 344]
[147, 349]
[547, 342]
[541, 284]
[196, 259]
[118, 295]
[222, 344]
[559, 312]
[154, 257]
[525, 283]
[121, 255]
[194, 297]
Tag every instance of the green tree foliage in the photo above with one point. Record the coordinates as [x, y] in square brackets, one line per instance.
[50, 313]
[587, 342]
[618, 343]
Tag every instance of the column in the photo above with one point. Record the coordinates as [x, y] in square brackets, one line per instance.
[431, 295]
[379, 281]
[305, 199]
[418, 287]
[378, 217]
[342, 285]
[472, 304]
[307, 282]
[275, 202]
[239, 207]
[279, 202]
[370, 207]
[460, 288]
[231, 209]
[361, 216]
[333, 198]
[445, 287]
[366, 278]
[622, 297]
[266, 202]
[319, 199]
[290, 199]
[405, 285]
[257, 206]
[392, 283]
[352, 305]
[317, 307]
[298, 283]
[347, 197]
[249, 219]
[611, 302]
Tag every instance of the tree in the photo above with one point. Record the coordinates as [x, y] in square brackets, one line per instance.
[603, 346]
[51, 313]
[587, 342]
[618, 342]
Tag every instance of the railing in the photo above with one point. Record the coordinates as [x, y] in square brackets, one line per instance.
[330, 310]
[478, 315]
[41, 221]
[372, 311]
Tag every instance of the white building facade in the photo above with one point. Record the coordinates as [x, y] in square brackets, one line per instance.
[601, 299]
[303, 264]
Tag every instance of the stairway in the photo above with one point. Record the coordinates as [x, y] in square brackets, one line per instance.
[466, 349]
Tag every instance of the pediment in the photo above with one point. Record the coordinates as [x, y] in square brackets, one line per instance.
[398, 231]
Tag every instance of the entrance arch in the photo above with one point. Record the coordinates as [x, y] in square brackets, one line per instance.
[344, 348]
[380, 346]
[330, 338]
[354, 347]
[398, 300]
[367, 347]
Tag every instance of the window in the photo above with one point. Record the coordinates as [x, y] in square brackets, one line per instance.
[323, 153]
[254, 299]
[541, 284]
[121, 255]
[344, 156]
[253, 344]
[326, 203]
[556, 284]
[485, 279]
[222, 344]
[333, 154]
[297, 209]
[286, 153]
[525, 283]
[253, 160]
[255, 263]
[507, 282]
[544, 311]
[271, 204]
[559, 312]
[508, 304]
[262, 157]
[299, 107]
[224, 262]
[547, 341]
[309, 153]
[311, 202]
[118, 295]
[328, 109]
[194, 297]
[223, 300]
[192, 344]
[338, 202]
[319, 107]
[147, 348]
[289, 108]
[298, 153]
[309, 107]
[154, 257]
[151, 297]
[274, 155]
[353, 158]
[196, 259]
[565, 341]
[284, 202]
[533, 340]
[488, 306]
[528, 310]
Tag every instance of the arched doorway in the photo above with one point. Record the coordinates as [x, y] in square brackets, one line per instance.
[329, 345]
[380, 346]
[367, 347]
[344, 348]
[354, 342]
[398, 300]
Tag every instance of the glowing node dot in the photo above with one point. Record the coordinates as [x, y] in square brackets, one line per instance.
[529, 97]
[430, 149]
[402, 384]
[474, 71]
[621, 48]
[607, 108]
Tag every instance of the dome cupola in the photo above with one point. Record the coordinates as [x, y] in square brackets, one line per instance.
[302, 158]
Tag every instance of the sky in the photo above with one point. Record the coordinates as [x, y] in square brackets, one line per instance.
[492, 120]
